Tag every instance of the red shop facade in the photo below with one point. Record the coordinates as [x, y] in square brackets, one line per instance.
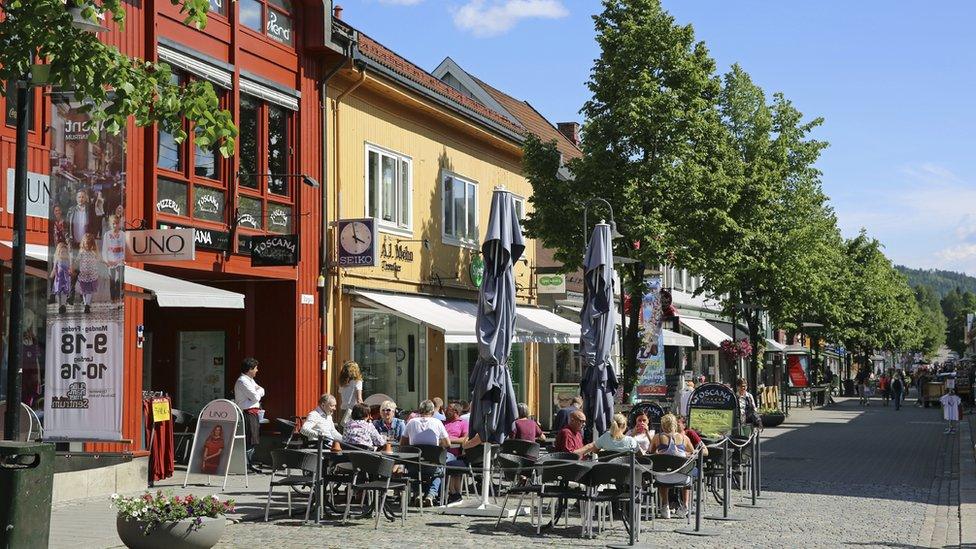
[266, 59]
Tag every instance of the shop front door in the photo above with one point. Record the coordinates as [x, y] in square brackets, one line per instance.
[708, 364]
[202, 358]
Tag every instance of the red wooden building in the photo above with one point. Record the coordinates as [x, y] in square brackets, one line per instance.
[267, 60]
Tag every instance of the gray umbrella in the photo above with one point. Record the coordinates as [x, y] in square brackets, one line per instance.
[493, 406]
[598, 323]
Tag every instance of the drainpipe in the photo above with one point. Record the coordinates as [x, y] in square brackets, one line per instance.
[323, 282]
[337, 287]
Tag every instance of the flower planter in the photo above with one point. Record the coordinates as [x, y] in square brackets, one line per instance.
[182, 534]
[773, 419]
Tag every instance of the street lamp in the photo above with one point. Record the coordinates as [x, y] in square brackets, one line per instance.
[15, 331]
[614, 233]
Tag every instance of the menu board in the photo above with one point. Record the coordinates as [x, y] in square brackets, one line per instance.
[713, 410]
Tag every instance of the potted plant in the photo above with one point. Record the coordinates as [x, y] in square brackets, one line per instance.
[162, 520]
[771, 416]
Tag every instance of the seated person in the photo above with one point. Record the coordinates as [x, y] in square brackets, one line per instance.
[570, 437]
[615, 440]
[526, 428]
[425, 429]
[360, 430]
[388, 424]
[673, 442]
[642, 432]
[319, 422]
[562, 416]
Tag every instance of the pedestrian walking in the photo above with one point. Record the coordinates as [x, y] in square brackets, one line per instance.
[350, 389]
[248, 395]
[883, 383]
[951, 410]
[862, 387]
[897, 389]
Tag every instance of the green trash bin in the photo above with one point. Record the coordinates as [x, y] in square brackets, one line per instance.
[26, 483]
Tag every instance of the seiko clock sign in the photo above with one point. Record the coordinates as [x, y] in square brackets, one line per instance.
[357, 243]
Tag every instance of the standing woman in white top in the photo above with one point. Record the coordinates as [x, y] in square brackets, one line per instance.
[248, 395]
[350, 389]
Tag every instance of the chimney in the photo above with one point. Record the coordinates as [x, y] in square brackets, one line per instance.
[571, 131]
[337, 12]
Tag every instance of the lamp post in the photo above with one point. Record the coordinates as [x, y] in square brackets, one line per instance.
[15, 330]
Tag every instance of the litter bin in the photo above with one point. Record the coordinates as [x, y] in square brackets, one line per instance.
[26, 480]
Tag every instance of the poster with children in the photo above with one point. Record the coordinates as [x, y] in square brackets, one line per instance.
[86, 257]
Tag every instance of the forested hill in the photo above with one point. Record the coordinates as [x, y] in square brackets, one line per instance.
[942, 282]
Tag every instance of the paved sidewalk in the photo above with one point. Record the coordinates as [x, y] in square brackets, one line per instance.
[842, 475]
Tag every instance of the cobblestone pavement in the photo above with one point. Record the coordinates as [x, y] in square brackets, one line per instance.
[843, 475]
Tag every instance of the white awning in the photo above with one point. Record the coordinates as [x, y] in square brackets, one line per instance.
[543, 326]
[454, 317]
[457, 318]
[705, 329]
[772, 346]
[674, 339]
[174, 292]
[168, 291]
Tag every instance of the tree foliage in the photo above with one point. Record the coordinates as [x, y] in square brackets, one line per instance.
[649, 137]
[932, 322]
[113, 85]
[955, 306]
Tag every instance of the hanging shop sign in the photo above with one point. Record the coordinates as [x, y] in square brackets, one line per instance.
[274, 250]
[550, 283]
[476, 270]
[713, 410]
[651, 380]
[357, 242]
[218, 441]
[38, 193]
[204, 239]
[85, 317]
[160, 245]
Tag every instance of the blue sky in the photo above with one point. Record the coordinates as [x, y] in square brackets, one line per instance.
[893, 80]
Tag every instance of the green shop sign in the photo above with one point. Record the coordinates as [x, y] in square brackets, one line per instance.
[476, 270]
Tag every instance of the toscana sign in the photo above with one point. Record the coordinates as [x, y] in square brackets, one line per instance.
[274, 250]
[713, 410]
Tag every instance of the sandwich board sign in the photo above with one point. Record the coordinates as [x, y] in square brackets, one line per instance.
[713, 410]
[218, 442]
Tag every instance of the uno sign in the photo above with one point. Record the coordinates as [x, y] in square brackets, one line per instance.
[160, 245]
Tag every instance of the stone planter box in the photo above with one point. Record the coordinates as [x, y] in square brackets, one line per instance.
[773, 420]
[171, 535]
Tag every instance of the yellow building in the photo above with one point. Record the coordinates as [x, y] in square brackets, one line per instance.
[421, 160]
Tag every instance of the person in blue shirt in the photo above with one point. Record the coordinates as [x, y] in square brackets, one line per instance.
[389, 425]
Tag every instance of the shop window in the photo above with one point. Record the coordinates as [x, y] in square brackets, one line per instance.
[191, 181]
[567, 364]
[34, 336]
[171, 197]
[388, 187]
[460, 210]
[516, 365]
[392, 356]
[273, 18]
[461, 358]
[265, 193]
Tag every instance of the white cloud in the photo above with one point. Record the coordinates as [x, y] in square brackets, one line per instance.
[485, 18]
[401, 2]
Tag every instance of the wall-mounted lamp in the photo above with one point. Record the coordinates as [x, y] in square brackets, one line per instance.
[425, 243]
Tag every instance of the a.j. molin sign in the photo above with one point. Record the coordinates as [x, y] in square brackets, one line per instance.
[274, 250]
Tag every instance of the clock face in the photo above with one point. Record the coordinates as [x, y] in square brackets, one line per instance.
[355, 238]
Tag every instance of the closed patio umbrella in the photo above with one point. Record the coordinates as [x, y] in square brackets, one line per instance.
[493, 402]
[598, 323]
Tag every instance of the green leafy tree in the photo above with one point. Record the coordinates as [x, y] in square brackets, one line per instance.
[650, 137]
[113, 85]
[932, 324]
[955, 306]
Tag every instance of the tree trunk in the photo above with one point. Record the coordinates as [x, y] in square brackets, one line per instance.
[752, 321]
[635, 284]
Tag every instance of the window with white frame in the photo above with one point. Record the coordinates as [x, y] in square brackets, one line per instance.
[460, 209]
[388, 187]
[519, 207]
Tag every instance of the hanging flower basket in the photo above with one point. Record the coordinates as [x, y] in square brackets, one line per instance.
[736, 349]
